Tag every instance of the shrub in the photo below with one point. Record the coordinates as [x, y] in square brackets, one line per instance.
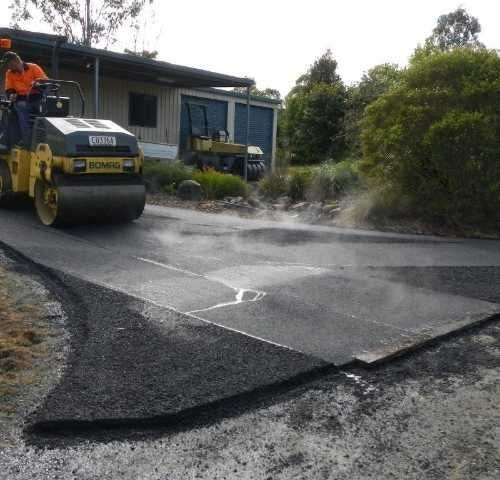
[218, 185]
[165, 176]
[298, 184]
[333, 180]
[274, 184]
[433, 140]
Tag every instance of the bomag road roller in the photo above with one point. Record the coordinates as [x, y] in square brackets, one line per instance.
[76, 169]
[209, 148]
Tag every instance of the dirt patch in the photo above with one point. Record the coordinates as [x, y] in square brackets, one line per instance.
[22, 337]
[31, 339]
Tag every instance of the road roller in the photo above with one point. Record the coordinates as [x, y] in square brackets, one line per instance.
[76, 169]
[207, 147]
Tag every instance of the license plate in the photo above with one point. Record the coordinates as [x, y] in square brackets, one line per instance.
[102, 141]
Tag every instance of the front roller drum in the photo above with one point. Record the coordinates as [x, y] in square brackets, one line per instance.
[73, 204]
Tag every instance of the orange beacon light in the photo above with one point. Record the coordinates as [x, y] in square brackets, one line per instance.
[5, 43]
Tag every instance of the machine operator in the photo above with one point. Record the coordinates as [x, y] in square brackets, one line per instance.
[19, 79]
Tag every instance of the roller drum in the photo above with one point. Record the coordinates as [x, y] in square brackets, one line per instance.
[73, 203]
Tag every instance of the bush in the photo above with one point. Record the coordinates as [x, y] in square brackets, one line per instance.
[218, 185]
[165, 176]
[433, 140]
[333, 180]
[298, 184]
[274, 184]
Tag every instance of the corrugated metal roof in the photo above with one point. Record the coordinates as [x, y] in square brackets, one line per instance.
[29, 44]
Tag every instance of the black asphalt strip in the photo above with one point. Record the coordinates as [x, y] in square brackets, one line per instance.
[133, 362]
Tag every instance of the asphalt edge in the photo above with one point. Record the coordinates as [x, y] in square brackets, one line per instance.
[196, 416]
[407, 352]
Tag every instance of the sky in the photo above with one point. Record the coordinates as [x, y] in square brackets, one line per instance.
[275, 42]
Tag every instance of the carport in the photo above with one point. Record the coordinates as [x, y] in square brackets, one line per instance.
[54, 50]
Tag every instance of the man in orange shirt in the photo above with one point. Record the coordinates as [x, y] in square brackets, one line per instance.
[19, 80]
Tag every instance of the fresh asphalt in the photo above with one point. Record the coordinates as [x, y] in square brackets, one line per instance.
[182, 308]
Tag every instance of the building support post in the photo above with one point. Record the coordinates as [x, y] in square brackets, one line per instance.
[54, 68]
[96, 86]
[247, 137]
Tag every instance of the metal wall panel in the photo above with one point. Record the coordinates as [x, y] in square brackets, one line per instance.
[261, 128]
[216, 116]
[114, 105]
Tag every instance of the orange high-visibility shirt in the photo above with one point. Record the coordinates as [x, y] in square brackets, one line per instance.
[21, 82]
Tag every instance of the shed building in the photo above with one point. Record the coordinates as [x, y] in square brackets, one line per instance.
[148, 97]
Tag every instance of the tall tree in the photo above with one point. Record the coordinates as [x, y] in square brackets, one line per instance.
[374, 83]
[455, 29]
[313, 120]
[322, 71]
[86, 22]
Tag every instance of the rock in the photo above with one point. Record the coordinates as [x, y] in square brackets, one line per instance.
[314, 209]
[283, 202]
[299, 206]
[327, 208]
[189, 190]
[334, 211]
[233, 199]
[253, 202]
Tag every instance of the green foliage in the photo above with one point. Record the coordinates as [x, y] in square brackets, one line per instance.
[311, 127]
[83, 22]
[165, 177]
[299, 182]
[151, 54]
[218, 185]
[314, 123]
[374, 83]
[274, 184]
[454, 30]
[432, 143]
[333, 180]
[322, 72]
[257, 92]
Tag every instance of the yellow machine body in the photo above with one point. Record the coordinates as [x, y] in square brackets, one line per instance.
[26, 167]
[74, 189]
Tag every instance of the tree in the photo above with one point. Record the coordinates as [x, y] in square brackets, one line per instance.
[431, 144]
[313, 119]
[266, 92]
[152, 54]
[455, 29]
[84, 22]
[374, 83]
[313, 124]
[322, 71]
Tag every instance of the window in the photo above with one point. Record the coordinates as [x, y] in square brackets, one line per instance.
[142, 110]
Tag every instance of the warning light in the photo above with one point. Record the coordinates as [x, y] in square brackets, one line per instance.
[5, 43]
